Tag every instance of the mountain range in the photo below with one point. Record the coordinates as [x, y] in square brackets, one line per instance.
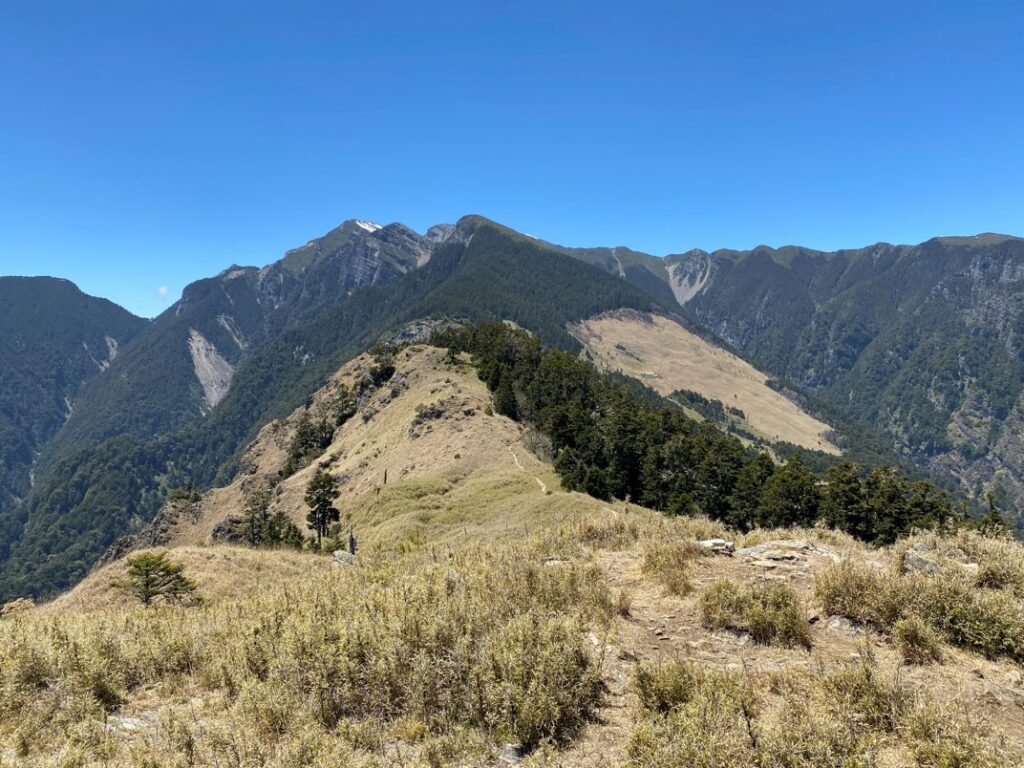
[908, 351]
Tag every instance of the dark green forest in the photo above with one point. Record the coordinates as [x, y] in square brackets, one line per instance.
[921, 342]
[54, 342]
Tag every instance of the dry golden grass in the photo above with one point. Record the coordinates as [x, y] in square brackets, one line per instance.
[488, 606]
[846, 718]
[972, 604]
[438, 652]
[461, 474]
[667, 357]
[225, 572]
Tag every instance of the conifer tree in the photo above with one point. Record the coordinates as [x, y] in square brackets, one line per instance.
[320, 495]
[153, 576]
[505, 397]
[790, 496]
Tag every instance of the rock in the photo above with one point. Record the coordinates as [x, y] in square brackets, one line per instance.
[916, 562]
[342, 558]
[958, 556]
[125, 725]
[717, 546]
[792, 550]
[1000, 694]
[732, 636]
[553, 561]
[843, 626]
[510, 754]
[230, 530]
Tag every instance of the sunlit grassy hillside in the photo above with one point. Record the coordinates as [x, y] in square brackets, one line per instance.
[611, 640]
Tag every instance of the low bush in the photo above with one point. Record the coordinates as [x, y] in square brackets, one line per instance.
[670, 563]
[990, 622]
[479, 640]
[772, 614]
[916, 641]
[842, 718]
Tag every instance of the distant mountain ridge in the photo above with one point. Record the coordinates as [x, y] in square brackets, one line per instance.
[188, 391]
[263, 340]
[921, 341]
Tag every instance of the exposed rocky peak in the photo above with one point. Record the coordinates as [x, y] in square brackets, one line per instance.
[690, 273]
[440, 233]
[355, 254]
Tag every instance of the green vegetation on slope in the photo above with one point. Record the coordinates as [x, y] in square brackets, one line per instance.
[98, 492]
[611, 442]
[55, 340]
[918, 341]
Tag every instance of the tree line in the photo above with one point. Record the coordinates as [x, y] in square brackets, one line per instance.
[614, 442]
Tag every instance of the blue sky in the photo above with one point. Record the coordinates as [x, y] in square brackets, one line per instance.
[145, 145]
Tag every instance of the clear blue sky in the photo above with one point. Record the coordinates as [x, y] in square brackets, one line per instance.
[148, 144]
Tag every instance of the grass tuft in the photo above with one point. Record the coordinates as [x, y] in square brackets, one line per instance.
[772, 614]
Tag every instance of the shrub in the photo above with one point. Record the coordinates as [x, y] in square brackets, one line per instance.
[856, 591]
[481, 640]
[840, 718]
[916, 641]
[952, 736]
[989, 622]
[663, 687]
[772, 614]
[669, 562]
[859, 694]
[693, 717]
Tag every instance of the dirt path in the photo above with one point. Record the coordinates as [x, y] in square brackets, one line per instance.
[543, 486]
[643, 636]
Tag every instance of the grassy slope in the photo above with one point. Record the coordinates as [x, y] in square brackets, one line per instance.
[668, 357]
[439, 655]
[465, 473]
[481, 611]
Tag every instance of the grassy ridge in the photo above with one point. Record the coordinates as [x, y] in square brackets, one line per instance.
[452, 650]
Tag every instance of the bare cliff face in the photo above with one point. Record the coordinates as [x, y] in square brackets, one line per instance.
[355, 254]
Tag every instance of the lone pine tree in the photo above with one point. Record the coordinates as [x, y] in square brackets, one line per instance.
[320, 495]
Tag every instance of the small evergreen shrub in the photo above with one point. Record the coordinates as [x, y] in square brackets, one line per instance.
[153, 576]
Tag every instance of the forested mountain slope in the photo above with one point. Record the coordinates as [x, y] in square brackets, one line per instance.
[101, 486]
[184, 364]
[924, 342]
[55, 339]
[920, 342]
